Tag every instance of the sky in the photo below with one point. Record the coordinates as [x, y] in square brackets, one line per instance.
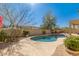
[64, 12]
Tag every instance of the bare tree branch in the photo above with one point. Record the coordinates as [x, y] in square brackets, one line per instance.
[13, 16]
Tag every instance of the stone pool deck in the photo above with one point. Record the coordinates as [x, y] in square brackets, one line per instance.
[60, 51]
[27, 47]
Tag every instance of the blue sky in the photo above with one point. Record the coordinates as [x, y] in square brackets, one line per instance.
[64, 12]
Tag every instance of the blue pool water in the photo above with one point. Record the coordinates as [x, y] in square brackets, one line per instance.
[49, 38]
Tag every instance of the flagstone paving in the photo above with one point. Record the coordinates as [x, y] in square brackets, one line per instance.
[60, 51]
[27, 47]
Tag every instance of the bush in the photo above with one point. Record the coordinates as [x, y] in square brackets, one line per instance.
[14, 32]
[72, 43]
[3, 36]
[25, 33]
[10, 35]
[43, 32]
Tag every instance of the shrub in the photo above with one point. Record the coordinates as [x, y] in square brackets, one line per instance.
[43, 32]
[3, 36]
[10, 35]
[72, 43]
[15, 32]
[25, 33]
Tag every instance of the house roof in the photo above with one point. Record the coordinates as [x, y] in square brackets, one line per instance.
[74, 22]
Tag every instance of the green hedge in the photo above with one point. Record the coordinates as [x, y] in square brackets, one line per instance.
[72, 43]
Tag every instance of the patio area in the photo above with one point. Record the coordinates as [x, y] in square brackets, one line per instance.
[61, 51]
[27, 47]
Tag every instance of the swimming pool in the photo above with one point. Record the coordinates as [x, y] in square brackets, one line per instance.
[49, 38]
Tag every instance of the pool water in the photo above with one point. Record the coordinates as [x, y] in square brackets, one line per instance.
[49, 38]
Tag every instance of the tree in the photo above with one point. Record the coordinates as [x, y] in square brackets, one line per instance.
[49, 22]
[14, 14]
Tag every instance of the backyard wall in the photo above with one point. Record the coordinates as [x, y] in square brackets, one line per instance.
[31, 31]
[37, 32]
[75, 31]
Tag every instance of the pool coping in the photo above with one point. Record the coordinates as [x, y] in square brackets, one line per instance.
[27, 47]
[56, 43]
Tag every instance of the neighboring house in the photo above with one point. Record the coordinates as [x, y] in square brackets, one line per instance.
[74, 26]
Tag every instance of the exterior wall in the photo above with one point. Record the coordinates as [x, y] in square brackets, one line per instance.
[35, 32]
[75, 31]
[31, 31]
[48, 32]
[38, 32]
